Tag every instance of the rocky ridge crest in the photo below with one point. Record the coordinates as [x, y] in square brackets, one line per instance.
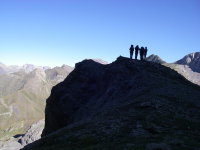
[126, 104]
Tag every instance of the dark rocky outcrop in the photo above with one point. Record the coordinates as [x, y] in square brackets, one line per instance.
[128, 104]
[92, 89]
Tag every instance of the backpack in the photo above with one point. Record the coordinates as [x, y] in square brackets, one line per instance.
[142, 50]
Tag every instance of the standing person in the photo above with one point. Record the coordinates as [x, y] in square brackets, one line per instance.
[136, 51]
[131, 51]
[141, 53]
[145, 53]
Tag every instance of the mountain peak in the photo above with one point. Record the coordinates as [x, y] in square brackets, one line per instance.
[93, 88]
[192, 60]
[2, 64]
[155, 58]
[67, 68]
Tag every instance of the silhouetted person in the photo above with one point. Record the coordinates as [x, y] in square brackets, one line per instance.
[131, 51]
[145, 53]
[141, 53]
[136, 51]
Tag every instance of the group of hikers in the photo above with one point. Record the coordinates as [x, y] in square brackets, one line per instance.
[143, 52]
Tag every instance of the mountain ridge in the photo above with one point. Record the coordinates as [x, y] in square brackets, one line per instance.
[15, 68]
[56, 75]
[192, 60]
[126, 104]
[188, 66]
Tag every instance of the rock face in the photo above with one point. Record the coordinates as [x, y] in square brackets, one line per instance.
[155, 58]
[33, 133]
[192, 60]
[189, 67]
[19, 141]
[125, 99]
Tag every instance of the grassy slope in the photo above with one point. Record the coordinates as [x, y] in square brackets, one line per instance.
[27, 94]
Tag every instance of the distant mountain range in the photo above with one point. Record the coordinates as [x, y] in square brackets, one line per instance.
[14, 68]
[30, 67]
[188, 66]
[23, 94]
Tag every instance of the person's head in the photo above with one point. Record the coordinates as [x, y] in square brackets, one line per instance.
[145, 47]
[131, 45]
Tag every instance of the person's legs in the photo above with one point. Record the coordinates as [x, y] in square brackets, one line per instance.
[142, 56]
[136, 55]
[131, 55]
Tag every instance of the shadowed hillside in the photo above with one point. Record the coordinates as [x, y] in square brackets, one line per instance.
[128, 104]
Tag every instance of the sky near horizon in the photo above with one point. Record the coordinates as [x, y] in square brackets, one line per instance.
[56, 32]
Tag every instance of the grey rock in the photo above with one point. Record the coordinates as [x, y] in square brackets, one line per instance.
[67, 68]
[155, 58]
[192, 60]
[33, 133]
[46, 67]
[189, 67]
[13, 145]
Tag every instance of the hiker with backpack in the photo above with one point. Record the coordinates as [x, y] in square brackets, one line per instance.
[141, 53]
[131, 51]
[136, 51]
[145, 53]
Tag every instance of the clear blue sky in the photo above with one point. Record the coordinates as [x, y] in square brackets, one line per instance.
[56, 32]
